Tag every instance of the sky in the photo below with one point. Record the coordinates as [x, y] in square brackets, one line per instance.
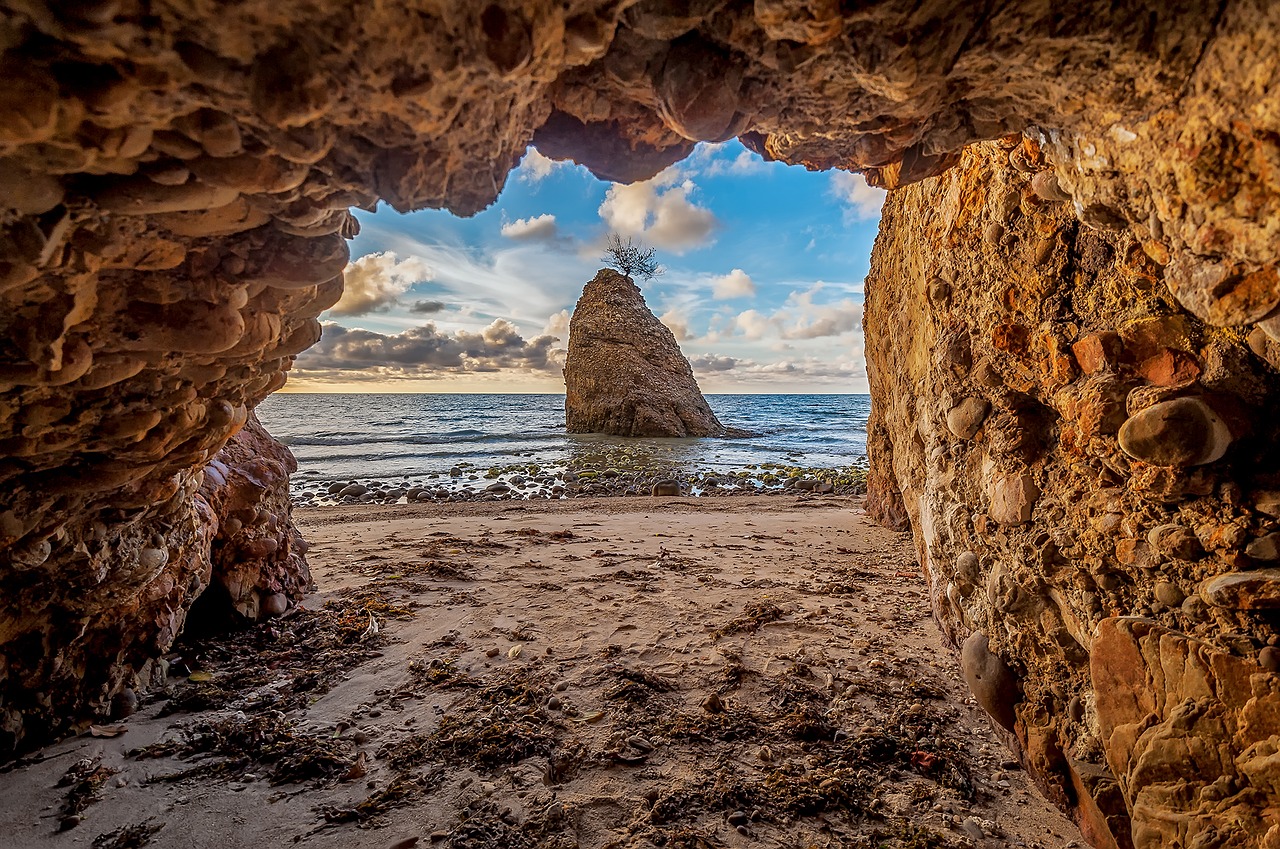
[763, 282]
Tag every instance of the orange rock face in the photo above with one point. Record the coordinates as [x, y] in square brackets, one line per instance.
[1092, 537]
[175, 187]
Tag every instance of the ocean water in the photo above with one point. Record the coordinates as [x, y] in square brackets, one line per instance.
[386, 437]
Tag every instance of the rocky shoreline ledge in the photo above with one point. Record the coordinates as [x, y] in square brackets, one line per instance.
[594, 476]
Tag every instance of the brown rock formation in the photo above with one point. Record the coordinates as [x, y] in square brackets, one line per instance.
[1083, 511]
[174, 187]
[624, 374]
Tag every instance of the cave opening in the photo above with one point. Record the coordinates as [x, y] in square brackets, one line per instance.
[1072, 325]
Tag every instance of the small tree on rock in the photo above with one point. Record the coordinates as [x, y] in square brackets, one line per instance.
[630, 259]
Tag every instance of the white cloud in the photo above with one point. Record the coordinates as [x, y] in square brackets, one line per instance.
[375, 282]
[735, 284]
[678, 323]
[558, 325]
[659, 211]
[753, 324]
[745, 164]
[531, 228]
[801, 318]
[861, 201]
[535, 167]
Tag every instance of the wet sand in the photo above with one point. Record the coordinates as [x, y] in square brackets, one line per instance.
[745, 671]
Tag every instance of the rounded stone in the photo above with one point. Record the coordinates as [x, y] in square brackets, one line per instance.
[275, 604]
[966, 418]
[1181, 432]
[1258, 589]
[990, 678]
[665, 487]
[1169, 593]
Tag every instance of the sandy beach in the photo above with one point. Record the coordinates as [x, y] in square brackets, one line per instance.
[731, 672]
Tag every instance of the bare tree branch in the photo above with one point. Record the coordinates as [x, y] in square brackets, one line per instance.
[630, 259]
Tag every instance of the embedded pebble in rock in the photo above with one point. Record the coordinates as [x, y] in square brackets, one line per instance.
[1258, 589]
[1269, 659]
[966, 418]
[1181, 432]
[1264, 547]
[1169, 593]
[1013, 497]
[992, 682]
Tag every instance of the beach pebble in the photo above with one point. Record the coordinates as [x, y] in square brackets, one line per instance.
[666, 487]
[973, 828]
[354, 490]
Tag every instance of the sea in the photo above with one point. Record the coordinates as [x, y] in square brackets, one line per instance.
[410, 438]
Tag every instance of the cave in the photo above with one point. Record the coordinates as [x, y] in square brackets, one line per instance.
[1073, 324]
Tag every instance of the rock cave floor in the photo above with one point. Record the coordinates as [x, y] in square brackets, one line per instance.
[599, 673]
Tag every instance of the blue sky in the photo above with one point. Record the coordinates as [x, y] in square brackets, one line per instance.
[763, 285]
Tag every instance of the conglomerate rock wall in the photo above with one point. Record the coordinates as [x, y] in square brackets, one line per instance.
[175, 186]
[1090, 474]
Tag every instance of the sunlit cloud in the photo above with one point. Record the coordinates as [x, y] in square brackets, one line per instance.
[735, 284]
[861, 202]
[531, 228]
[660, 212]
[375, 282]
[535, 167]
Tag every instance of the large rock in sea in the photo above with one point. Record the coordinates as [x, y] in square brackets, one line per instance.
[625, 374]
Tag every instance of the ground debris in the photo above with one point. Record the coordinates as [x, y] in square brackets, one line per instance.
[754, 615]
[130, 836]
[84, 779]
[239, 741]
[286, 664]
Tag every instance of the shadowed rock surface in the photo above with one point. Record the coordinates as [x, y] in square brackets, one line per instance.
[175, 186]
[624, 374]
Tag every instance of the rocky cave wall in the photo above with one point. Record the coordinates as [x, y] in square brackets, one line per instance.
[175, 187]
[1090, 475]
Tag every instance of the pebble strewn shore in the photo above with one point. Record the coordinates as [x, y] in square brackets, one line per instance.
[606, 475]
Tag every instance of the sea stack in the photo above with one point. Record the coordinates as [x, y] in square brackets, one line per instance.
[624, 374]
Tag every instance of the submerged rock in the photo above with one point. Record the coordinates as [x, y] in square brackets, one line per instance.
[625, 374]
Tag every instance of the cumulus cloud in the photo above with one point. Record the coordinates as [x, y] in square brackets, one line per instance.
[558, 325]
[531, 228]
[659, 211]
[426, 351]
[678, 323]
[375, 282]
[735, 284]
[535, 167]
[713, 362]
[861, 201]
[426, 307]
[753, 324]
[801, 318]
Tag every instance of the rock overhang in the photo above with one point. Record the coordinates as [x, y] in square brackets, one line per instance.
[177, 183]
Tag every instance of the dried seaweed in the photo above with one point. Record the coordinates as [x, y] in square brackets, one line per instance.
[754, 615]
[130, 836]
[85, 778]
